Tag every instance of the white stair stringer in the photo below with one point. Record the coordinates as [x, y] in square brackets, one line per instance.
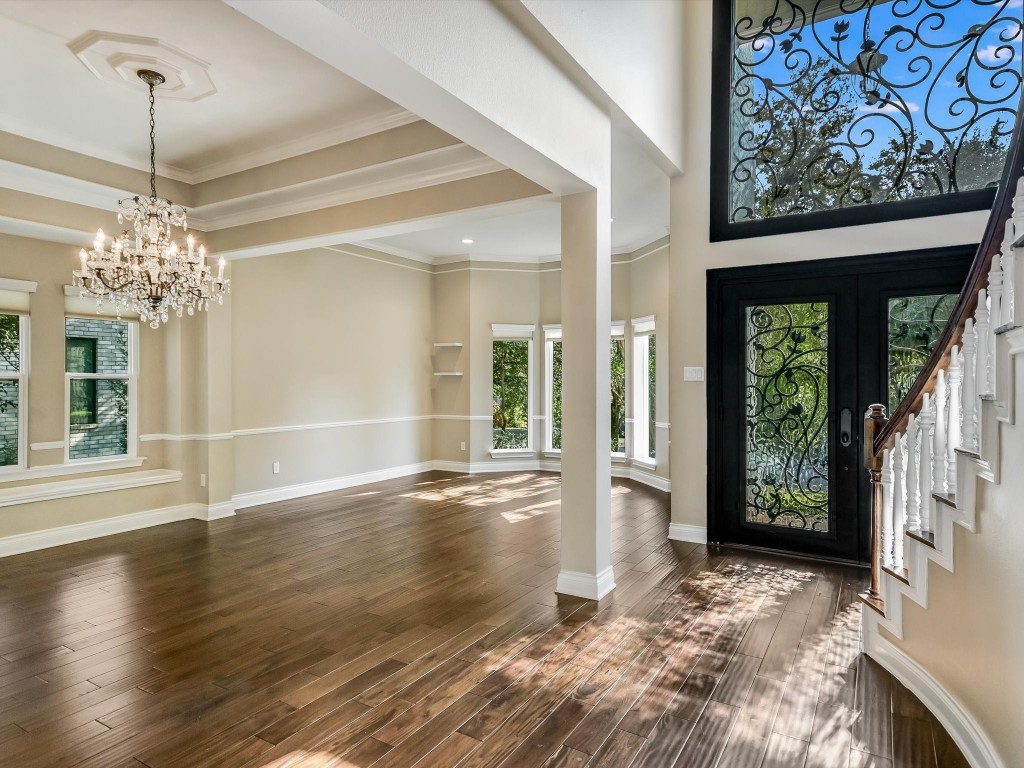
[960, 510]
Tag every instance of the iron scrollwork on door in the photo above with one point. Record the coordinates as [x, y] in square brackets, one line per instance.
[840, 103]
[787, 415]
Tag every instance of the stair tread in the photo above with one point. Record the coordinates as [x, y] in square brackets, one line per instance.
[901, 574]
[945, 498]
[925, 537]
[874, 602]
[1005, 328]
[966, 452]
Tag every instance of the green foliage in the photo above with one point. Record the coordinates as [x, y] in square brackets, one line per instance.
[510, 393]
[652, 368]
[915, 324]
[556, 394]
[618, 420]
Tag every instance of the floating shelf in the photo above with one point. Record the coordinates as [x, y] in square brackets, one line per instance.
[453, 344]
[447, 373]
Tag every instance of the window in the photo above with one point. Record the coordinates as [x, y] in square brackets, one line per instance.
[13, 370]
[512, 374]
[831, 113]
[553, 386]
[100, 372]
[915, 324]
[644, 367]
[618, 421]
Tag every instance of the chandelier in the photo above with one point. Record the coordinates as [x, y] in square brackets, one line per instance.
[144, 270]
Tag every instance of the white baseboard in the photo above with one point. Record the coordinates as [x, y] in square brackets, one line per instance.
[586, 585]
[270, 495]
[215, 511]
[696, 534]
[94, 529]
[638, 474]
[958, 722]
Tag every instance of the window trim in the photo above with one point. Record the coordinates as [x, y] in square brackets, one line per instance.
[131, 377]
[517, 332]
[643, 329]
[722, 229]
[21, 377]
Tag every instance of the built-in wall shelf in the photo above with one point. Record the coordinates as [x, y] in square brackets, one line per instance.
[448, 344]
[447, 373]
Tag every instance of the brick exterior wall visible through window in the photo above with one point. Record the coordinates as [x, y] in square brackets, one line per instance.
[98, 410]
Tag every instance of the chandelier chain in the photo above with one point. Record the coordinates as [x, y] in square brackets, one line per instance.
[152, 143]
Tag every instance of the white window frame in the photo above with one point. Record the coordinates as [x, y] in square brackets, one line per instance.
[552, 333]
[515, 332]
[131, 376]
[643, 329]
[22, 378]
[618, 331]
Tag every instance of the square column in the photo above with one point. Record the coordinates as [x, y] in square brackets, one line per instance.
[586, 396]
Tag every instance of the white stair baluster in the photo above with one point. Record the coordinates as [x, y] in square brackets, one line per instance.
[953, 418]
[969, 393]
[984, 351]
[888, 558]
[926, 425]
[996, 279]
[913, 476]
[1011, 274]
[899, 502]
[939, 443]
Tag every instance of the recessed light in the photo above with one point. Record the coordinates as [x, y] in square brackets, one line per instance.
[611, 220]
[467, 241]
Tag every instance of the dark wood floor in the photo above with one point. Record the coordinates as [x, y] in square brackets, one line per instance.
[415, 623]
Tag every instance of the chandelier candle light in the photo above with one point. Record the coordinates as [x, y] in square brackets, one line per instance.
[146, 271]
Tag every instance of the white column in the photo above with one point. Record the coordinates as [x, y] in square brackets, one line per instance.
[586, 396]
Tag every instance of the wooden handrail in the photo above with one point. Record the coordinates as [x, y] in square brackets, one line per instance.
[977, 278]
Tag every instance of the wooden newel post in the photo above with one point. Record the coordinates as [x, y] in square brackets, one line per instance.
[874, 421]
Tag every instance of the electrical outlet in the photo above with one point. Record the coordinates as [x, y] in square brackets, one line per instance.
[202, 481]
[462, 445]
[277, 467]
[693, 374]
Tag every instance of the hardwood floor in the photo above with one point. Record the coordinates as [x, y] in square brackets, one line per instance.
[415, 623]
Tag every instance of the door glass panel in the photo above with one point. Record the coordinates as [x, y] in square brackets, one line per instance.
[915, 324]
[787, 401]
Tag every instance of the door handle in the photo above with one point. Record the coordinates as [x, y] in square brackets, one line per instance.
[845, 427]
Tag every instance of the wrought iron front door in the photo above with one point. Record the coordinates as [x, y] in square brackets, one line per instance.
[788, 412]
[798, 352]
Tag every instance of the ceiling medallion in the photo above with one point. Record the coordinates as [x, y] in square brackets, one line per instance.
[146, 271]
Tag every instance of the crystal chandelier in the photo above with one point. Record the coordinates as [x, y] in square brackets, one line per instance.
[145, 270]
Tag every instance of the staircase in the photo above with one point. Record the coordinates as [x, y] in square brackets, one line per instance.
[928, 459]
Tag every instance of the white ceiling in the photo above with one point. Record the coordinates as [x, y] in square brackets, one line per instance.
[269, 93]
[272, 100]
[640, 209]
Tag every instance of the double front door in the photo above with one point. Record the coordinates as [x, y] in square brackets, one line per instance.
[799, 351]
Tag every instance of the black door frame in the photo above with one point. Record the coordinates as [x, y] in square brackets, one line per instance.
[900, 273]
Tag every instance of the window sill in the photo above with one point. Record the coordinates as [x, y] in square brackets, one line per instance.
[619, 458]
[646, 463]
[63, 489]
[554, 453]
[72, 468]
[511, 453]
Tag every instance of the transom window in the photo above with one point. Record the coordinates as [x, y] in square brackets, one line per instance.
[100, 372]
[860, 110]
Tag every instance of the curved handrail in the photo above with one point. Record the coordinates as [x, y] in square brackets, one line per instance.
[977, 278]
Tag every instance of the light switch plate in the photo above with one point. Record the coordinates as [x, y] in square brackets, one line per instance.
[693, 374]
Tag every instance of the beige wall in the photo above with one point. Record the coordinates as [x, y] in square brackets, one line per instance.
[969, 636]
[692, 254]
[50, 265]
[325, 336]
